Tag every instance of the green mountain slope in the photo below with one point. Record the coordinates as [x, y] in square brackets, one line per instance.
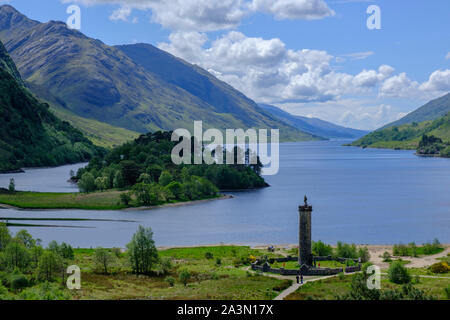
[96, 81]
[432, 110]
[30, 135]
[407, 136]
[313, 125]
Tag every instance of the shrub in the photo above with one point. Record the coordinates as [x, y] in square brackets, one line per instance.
[184, 277]
[209, 255]
[365, 266]
[45, 291]
[386, 257]
[12, 185]
[170, 281]
[364, 254]
[125, 199]
[18, 282]
[447, 292]
[283, 285]
[218, 261]
[440, 267]
[165, 265]
[398, 273]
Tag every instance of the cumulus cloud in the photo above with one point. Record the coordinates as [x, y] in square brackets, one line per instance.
[212, 15]
[294, 9]
[267, 71]
[439, 80]
[402, 86]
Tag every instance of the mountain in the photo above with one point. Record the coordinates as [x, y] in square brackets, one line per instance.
[30, 135]
[430, 111]
[314, 126]
[92, 80]
[430, 119]
[407, 136]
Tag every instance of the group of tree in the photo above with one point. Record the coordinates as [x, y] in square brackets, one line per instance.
[431, 145]
[342, 250]
[397, 274]
[24, 262]
[30, 270]
[145, 167]
[412, 250]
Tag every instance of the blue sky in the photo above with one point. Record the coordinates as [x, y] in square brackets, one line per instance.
[310, 57]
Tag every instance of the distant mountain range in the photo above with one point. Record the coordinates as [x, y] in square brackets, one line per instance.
[138, 88]
[314, 126]
[431, 111]
[30, 135]
[432, 119]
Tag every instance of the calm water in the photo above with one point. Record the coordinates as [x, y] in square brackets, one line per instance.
[363, 196]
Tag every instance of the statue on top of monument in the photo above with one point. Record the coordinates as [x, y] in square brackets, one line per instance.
[306, 201]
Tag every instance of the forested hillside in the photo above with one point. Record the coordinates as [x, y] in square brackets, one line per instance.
[30, 135]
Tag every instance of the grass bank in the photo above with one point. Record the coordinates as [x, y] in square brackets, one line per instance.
[108, 200]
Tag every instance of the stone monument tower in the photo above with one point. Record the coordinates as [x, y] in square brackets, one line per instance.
[305, 255]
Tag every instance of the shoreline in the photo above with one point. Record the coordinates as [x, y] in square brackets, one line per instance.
[166, 205]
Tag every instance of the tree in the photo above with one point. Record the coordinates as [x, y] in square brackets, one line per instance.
[66, 251]
[165, 178]
[87, 183]
[145, 178]
[184, 277]
[144, 195]
[142, 251]
[50, 264]
[321, 249]
[5, 236]
[25, 238]
[130, 172]
[364, 254]
[118, 181]
[176, 189]
[12, 185]
[125, 199]
[103, 258]
[16, 255]
[398, 273]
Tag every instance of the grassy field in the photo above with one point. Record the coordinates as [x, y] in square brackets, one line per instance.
[209, 280]
[100, 133]
[39, 200]
[108, 200]
[328, 289]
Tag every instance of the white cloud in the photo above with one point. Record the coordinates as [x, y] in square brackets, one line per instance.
[121, 14]
[355, 113]
[294, 9]
[212, 15]
[399, 86]
[358, 55]
[439, 80]
[402, 86]
[267, 71]
[447, 56]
